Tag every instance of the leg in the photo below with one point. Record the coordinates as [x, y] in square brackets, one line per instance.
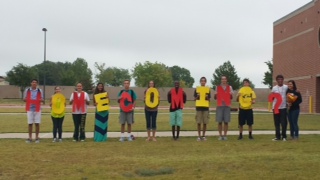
[295, 123]
[173, 131]
[37, 130]
[204, 130]
[129, 128]
[76, 123]
[219, 119]
[199, 130]
[122, 128]
[179, 121]
[284, 122]
[54, 123]
[290, 118]
[220, 128]
[178, 132]
[198, 121]
[205, 122]
[148, 122]
[30, 131]
[276, 118]
[60, 122]
[225, 129]
[82, 127]
[154, 124]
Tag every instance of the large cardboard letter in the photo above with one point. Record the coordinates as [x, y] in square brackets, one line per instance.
[58, 103]
[126, 102]
[278, 97]
[102, 101]
[152, 103]
[203, 93]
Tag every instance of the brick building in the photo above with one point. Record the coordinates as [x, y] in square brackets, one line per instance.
[296, 52]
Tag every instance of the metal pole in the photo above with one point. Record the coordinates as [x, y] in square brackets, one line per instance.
[44, 61]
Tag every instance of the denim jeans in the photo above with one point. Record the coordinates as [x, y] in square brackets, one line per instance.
[293, 117]
[151, 118]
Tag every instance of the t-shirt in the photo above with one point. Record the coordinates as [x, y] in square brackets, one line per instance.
[282, 91]
[246, 97]
[34, 93]
[86, 98]
[132, 94]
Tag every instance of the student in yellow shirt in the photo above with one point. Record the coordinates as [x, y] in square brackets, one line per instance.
[58, 107]
[246, 97]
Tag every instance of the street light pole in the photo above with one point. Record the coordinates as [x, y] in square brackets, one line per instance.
[44, 67]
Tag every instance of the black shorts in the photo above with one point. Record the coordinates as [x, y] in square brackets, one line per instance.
[245, 117]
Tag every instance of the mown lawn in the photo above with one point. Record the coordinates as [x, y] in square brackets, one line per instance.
[164, 159]
[18, 122]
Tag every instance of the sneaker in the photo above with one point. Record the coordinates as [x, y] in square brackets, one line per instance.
[275, 139]
[28, 141]
[121, 139]
[74, 140]
[225, 138]
[204, 138]
[82, 140]
[221, 138]
[54, 140]
[37, 141]
[129, 138]
[240, 138]
[251, 137]
[60, 140]
[284, 139]
[199, 139]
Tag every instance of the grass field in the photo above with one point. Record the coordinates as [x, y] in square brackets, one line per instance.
[165, 159]
[18, 123]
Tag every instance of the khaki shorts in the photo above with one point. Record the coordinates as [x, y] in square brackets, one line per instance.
[202, 117]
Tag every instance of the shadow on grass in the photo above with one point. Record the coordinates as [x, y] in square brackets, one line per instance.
[153, 172]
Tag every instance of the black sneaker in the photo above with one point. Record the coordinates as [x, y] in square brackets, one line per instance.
[275, 139]
[251, 137]
[240, 138]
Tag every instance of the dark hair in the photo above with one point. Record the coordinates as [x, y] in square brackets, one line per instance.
[34, 80]
[246, 80]
[203, 78]
[154, 84]
[280, 76]
[127, 80]
[96, 91]
[224, 76]
[293, 84]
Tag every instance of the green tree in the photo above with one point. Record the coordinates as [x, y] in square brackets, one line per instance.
[158, 72]
[226, 69]
[21, 76]
[267, 80]
[181, 74]
[82, 74]
[111, 76]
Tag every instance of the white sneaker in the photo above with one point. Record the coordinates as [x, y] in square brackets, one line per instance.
[204, 138]
[129, 138]
[37, 141]
[275, 139]
[221, 138]
[284, 139]
[121, 139]
[60, 140]
[54, 140]
[199, 139]
[28, 141]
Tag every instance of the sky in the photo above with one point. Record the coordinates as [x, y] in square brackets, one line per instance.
[199, 35]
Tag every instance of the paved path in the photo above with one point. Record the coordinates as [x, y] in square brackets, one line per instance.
[144, 134]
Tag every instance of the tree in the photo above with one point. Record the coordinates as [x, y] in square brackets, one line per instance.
[267, 80]
[226, 69]
[182, 75]
[21, 76]
[83, 74]
[158, 72]
[111, 76]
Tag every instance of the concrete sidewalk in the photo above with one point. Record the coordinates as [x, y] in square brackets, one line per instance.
[144, 134]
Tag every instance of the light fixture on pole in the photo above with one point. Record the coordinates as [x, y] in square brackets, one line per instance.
[44, 69]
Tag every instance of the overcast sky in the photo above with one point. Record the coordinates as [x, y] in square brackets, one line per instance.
[195, 34]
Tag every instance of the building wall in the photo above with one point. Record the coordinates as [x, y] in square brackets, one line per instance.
[296, 51]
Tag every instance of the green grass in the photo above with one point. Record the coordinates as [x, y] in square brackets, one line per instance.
[10, 123]
[164, 159]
